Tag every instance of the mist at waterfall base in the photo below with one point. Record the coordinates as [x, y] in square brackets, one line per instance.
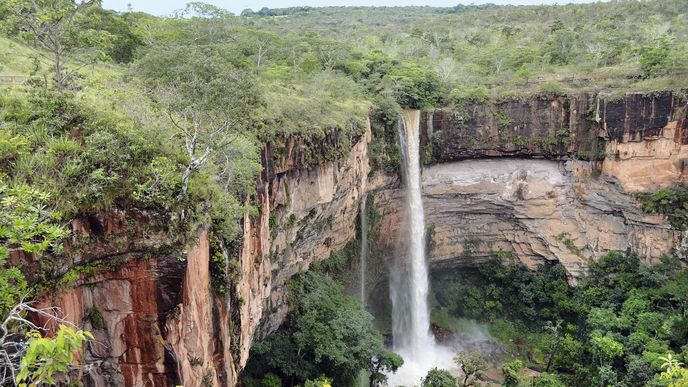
[409, 280]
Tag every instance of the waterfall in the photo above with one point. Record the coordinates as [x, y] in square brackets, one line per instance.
[412, 315]
[364, 248]
[409, 281]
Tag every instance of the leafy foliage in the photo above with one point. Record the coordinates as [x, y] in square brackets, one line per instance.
[415, 86]
[51, 25]
[48, 357]
[614, 326]
[671, 201]
[673, 372]
[512, 373]
[27, 224]
[472, 365]
[325, 333]
[438, 378]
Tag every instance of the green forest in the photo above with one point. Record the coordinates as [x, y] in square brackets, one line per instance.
[168, 117]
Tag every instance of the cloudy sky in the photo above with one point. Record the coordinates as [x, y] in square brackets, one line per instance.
[168, 6]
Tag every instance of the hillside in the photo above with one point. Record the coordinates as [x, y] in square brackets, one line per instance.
[194, 200]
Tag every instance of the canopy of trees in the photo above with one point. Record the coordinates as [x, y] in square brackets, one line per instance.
[326, 333]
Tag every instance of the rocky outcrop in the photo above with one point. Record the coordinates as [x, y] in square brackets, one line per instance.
[529, 210]
[655, 161]
[153, 316]
[587, 126]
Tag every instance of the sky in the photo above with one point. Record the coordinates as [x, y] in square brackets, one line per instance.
[166, 7]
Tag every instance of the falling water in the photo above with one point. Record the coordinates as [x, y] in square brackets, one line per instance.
[414, 333]
[409, 282]
[364, 248]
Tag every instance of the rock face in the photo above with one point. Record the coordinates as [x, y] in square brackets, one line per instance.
[152, 316]
[305, 216]
[656, 161]
[531, 210]
[589, 127]
[150, 305]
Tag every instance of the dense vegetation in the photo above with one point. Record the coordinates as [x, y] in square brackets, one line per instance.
[326, 334]
[671, 201]
[487, 50]
[615, 328]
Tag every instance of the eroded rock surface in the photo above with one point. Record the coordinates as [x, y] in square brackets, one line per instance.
[533, 210]
[306, 214]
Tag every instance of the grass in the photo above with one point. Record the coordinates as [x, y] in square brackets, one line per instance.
[16, 58]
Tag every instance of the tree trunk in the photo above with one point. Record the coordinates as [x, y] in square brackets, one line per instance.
[59, 78]
[185, 181]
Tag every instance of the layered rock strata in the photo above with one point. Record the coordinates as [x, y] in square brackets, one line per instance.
[529, 210]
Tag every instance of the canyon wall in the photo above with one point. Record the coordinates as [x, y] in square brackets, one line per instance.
[147, 302]
[148, 299]
[542, 179]
[525, 209]
[306, 214]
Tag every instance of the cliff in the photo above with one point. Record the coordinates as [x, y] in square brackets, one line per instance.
[588, 127]
[542, 179]
[305, 215]
[529, 210]
[148, 299]
[148, 303]
[545, 179]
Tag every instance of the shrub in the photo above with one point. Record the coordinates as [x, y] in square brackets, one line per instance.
[415, 86]
[270, 380]
[512, 373]
[469, 95]
[551, 88]
[671, 201]
[438, 378]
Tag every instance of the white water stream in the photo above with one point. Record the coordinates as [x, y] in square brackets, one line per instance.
[409, 283]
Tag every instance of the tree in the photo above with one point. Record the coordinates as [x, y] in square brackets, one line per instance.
[547, 380]
[522, 74]
[260, 43]
[415, 86]
[473, 365]
[512, 373]
[327, 333]
[206, 99]
[381, 365]
[337, 332]
[124, 38]
[438, 378]
[606, 347]
[46, 358]
[554, 331]
[560, 46]
[654, 57]
[51, 24]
